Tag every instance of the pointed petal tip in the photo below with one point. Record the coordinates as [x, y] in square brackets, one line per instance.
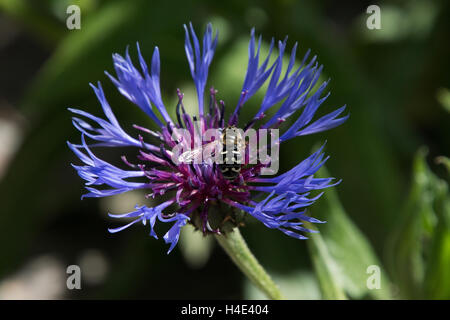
[112, 230]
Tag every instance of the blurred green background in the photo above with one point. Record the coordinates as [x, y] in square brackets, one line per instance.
[392, 209]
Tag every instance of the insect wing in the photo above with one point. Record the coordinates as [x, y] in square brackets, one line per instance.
[188, 156]
[210, 150]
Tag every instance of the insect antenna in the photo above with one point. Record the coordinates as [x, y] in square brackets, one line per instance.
[180, 105]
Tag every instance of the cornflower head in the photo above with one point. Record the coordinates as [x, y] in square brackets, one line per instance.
[204, 193]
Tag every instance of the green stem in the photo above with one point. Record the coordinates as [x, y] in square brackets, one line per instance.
[235, 246]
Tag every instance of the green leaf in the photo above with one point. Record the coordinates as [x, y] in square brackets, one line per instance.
[299, 285]
[331, 285]
[443, 96]
[342, 254]
[420, 246]
[437, 276]
[445, 161]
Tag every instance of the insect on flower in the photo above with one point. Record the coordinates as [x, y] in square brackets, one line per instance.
[213, 197]
[231, 145]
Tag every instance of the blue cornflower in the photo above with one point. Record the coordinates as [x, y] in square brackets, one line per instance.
[192, 189]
